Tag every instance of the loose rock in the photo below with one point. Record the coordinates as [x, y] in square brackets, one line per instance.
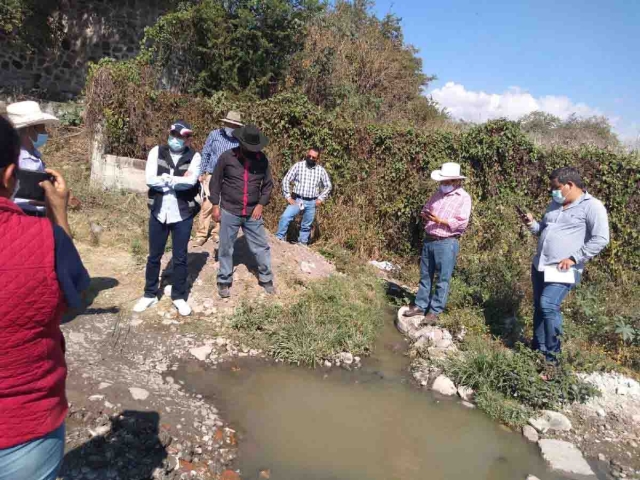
[550, 420]
[346, 358]
[201, 353]
[444, 386]
[530, 433]
[467, 394]
[564, 457]
[139, 393]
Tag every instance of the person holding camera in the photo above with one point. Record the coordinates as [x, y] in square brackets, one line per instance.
[37, 285]
[31, 124]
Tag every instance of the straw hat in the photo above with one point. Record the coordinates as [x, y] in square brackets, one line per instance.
[449, 171]
[26, 114]
[233, 118]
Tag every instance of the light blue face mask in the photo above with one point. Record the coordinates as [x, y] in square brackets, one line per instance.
[40, 141]
[229, 131]
[176, 144]
[558, 197]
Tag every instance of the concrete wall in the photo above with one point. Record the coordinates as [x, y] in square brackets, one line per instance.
[110, 171]
[93, 29]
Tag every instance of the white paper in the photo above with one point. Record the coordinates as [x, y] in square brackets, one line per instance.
[553, 275]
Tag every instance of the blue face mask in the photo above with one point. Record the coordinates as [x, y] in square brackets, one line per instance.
[176, 144]
[40, 141]
[558, 197]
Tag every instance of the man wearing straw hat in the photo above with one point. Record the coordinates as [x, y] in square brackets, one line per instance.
[446, 217]
[218, 142]
[31, 124]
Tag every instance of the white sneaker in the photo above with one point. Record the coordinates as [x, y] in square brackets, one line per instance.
[144, 303]
[183, 307]
[167, 290]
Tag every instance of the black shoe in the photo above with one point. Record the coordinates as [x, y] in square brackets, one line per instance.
[414, 311]
[223, 290]
[268, 287]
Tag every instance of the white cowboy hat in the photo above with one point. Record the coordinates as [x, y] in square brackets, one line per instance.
[449, 171]
[233, 118]
[25, 114]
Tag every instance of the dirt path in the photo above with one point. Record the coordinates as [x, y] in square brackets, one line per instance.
[129, 419]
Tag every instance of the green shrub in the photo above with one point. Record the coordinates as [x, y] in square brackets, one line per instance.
[334, 315]
[515, 374]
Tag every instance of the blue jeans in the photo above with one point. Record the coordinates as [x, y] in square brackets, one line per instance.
[158, 236]
[547, 318]
[257, 241]
[290, 213]
[35, 460]
[437, 257]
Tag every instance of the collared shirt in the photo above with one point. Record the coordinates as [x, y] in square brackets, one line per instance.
[217, 143]
[455, 207]
[307, 181]
[238, 184]
[28, 161]
[581, 231]
[168, 211]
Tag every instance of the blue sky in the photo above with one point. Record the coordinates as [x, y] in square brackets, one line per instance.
[503, 58]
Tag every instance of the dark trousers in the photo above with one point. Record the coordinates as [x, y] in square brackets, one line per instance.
[547, 317]
[158, 236]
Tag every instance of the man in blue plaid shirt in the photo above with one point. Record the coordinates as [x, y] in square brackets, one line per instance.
[218, 142]
[311, 187]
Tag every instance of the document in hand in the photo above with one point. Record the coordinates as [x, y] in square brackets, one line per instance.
[553, 275]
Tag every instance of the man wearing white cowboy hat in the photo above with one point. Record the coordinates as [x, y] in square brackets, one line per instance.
[31, 123]
[218, 142]
[446, 217]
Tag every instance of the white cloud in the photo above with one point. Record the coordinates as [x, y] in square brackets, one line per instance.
[480, 106]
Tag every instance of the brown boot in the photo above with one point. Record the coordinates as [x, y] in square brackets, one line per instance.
[431, 320]
[413, 311]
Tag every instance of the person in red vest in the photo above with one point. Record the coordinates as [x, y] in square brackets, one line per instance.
[41, 275]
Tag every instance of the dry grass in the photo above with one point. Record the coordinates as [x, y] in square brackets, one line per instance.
[110, 218]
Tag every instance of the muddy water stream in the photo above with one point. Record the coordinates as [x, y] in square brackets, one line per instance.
[370, 424]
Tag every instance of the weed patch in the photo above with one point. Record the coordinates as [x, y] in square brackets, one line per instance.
[334, 315]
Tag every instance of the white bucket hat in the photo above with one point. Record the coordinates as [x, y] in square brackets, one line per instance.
[449, 171]
[233, 118]
[26, 114]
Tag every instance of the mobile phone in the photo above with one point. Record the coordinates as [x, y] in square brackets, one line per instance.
[521, 212]
[29, 184]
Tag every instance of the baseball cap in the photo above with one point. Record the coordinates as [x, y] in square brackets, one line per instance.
[182, 128]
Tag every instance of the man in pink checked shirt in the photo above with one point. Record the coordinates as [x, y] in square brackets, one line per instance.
[446, 217]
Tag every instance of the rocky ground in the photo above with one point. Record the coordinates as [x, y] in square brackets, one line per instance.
[605, 431]
[129, 418]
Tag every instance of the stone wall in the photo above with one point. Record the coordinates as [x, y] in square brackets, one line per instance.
[93, 29]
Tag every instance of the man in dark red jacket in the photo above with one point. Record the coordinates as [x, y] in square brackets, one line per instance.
[41, 274]
[240, 188]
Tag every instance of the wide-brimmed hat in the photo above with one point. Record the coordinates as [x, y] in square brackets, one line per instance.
[449, 171]
[26, 114]
[182, 128]
[233, 118]
[251, 138]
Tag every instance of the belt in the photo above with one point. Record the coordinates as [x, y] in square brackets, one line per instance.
[430, 238]
[306, 199]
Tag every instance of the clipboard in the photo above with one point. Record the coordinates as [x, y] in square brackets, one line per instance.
[553, 275]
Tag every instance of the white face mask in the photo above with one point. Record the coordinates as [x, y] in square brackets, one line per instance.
[228, 131]
[15, 190]
[447, 188]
